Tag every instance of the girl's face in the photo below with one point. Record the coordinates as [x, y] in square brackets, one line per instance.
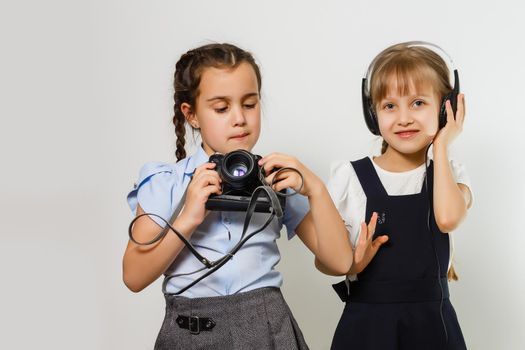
[227, 109]
[409, 123]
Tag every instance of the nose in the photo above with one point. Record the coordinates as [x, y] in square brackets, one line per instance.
[405, 117]
[238, 117]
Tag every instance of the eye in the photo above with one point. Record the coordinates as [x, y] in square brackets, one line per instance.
[388, 106]
[250, 103]
[419, 103]
[221, 109]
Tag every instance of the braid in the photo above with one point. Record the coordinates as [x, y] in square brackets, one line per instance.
[452, 275]
[180, 131]
[183, 82]
[384, 146]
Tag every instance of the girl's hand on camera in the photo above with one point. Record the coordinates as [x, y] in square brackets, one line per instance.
[289, 178]
[204, 182]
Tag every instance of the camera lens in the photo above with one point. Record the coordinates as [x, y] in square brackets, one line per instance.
[238, 168]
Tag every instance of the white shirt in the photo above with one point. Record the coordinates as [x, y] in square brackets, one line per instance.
[350, 199]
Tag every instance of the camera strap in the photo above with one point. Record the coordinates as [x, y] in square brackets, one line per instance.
[167, 228]
[276, 210]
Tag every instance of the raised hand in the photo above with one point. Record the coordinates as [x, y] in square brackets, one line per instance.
[366, 248]
[454, 126]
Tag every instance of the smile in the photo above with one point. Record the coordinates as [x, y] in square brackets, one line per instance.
[407, 134]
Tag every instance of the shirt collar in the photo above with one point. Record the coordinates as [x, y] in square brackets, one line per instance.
[197, 159]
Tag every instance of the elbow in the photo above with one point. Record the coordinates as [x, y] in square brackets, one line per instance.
[448, 224]
[448, 219]
[135, 288]
[344, 266]
[132, 283]
[339, 268]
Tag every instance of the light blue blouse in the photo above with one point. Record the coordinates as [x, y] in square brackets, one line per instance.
[159, 190]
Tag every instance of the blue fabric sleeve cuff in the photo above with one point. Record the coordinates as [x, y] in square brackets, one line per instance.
[153, 191]
[296, 209]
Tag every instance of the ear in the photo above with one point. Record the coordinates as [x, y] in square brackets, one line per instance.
[189, 114]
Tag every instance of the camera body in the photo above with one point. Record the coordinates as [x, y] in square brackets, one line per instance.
[240, 174]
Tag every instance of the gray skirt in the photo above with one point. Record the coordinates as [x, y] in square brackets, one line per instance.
[258, 319]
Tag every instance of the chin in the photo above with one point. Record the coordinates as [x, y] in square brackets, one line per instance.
[408, 149]
[246, 145]
[242, 146]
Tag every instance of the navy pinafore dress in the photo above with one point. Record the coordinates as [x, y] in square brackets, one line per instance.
[398, 302]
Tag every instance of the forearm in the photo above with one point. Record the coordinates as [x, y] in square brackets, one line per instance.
[450, 206]
[142, 265]
[333, 250]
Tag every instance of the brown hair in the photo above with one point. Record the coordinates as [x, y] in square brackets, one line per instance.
[408, 65]
[187, 77]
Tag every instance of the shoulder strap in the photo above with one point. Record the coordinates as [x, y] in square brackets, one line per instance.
[367, 175]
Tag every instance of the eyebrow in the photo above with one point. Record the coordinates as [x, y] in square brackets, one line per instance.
[227, 98]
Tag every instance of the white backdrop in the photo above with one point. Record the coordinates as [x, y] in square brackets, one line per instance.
[86, 99]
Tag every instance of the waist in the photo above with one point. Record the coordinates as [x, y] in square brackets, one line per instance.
[222, 304]
[227, 281]
[398, 291]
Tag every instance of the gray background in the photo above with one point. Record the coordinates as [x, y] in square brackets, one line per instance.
[86, 99]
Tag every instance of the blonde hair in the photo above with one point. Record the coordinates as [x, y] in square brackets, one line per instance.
[407, 66]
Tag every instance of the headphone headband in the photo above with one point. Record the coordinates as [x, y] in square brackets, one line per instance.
[418, 43]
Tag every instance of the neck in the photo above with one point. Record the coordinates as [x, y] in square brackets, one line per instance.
[395, 161]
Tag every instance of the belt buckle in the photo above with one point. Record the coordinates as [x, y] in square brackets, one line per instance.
[193, 324]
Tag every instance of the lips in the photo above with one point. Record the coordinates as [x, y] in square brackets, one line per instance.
[240, 136]
[406, 133]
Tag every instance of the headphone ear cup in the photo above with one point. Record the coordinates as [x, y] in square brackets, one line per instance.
[453, 97]
[370, 118]
[373, 121]
[443, 112]
[368, 110]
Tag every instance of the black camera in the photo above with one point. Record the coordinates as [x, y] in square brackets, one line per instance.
[241, 175]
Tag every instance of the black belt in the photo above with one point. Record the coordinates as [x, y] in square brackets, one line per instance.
[393, 291]
[195, 324]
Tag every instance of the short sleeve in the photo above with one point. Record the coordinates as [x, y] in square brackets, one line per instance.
[338, 182]
[348, 196]
[339, 185]
[154, 191]
[461, 176]
[296, 208]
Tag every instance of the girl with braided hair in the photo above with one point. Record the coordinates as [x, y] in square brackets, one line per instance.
[240, 306]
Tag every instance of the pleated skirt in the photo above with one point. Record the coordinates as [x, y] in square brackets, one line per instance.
[258, 319]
